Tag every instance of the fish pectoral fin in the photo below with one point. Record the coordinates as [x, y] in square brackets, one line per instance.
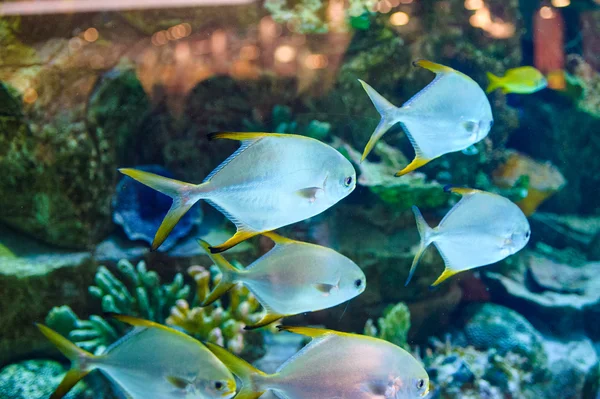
[414, 165]
[461, 190]
[243, 136]
[445, 275]
[306, 331]
[239, 236]
[432, 66]
[276, 238]
[310, 193]
[325, 288]
[177, 382]
[267, 319]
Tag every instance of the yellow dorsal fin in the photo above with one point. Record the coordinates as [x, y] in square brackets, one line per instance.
[277, 239]
[267, 319]
[311, 332]
[461, 190]
[137, 322]
[241, 136]
[432, 66]
[444, 276]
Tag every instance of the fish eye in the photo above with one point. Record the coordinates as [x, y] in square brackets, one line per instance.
[348, 181]
[420, 384]
[528, 234]
[358, 283]
[219, 385]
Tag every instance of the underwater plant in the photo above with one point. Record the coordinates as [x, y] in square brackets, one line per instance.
[223, 321]
[393, 326]
[136, 292]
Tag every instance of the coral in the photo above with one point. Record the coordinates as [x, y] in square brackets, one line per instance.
[12, 50]
[544, 179]
[223, 321]
[392, 327]
[458, 372]
[140, 210]
[282, 120]
[138, 293]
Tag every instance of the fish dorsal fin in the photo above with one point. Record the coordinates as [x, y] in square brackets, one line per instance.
[278, 239]
[245, 145]
[267, 319]
[462, 190]
[244, 136]
[311, 332]
[433, 66]
[137, 322]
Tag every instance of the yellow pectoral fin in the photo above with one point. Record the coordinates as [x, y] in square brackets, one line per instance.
[415, 164]
[277, 239]
[461, 190]
[432, 66]
[241, 136]
[239, 236]
[267, 319]
[445, 275]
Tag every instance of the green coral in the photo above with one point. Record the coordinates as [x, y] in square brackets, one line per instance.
[282, 120]
[138, 292]
[393, 326]
[223, 321]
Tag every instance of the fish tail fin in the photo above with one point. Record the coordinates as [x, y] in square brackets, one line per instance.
[426, 234]
[229, 274]
[252, 378]
[82, 361]
[495, 82]
[387, 111]
[184, 195]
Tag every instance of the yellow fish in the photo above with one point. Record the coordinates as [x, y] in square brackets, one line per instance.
[152, 361]
[448, 115]
[522, 80]
[334, 365]
[482, 228]
[293, 278]
[271, 181]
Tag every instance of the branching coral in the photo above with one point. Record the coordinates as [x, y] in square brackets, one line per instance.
[138, 292]
[222, 322]
[393, 326]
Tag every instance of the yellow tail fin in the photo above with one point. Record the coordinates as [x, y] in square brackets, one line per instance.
[495, 82]
[184, 195]
[248, 374]
[79, 358]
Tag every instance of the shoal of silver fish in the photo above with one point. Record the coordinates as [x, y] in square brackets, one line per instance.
[152, 361]
[292, 278]
[448, 115]
[271, 181]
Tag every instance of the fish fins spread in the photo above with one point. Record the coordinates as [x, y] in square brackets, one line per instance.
[495, 82]
[267, 319]
[445, 275]
[228, 274]
[184, 196]
[387, 111]
[247, 373]
[426, 234]
[79, 358]
[239, 236]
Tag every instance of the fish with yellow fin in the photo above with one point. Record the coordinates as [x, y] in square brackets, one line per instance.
[334, 365]
[292, 278]
[521, 80]
[481, 229]
[448, 115]
[271, 181]
[152, 361]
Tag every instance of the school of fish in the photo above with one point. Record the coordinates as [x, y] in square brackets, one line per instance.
[274, 180]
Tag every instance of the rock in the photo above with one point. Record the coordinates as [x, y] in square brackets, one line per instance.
[493, 326]
[37, 379]
[561, 231]
[565, 298]
[35, 280]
